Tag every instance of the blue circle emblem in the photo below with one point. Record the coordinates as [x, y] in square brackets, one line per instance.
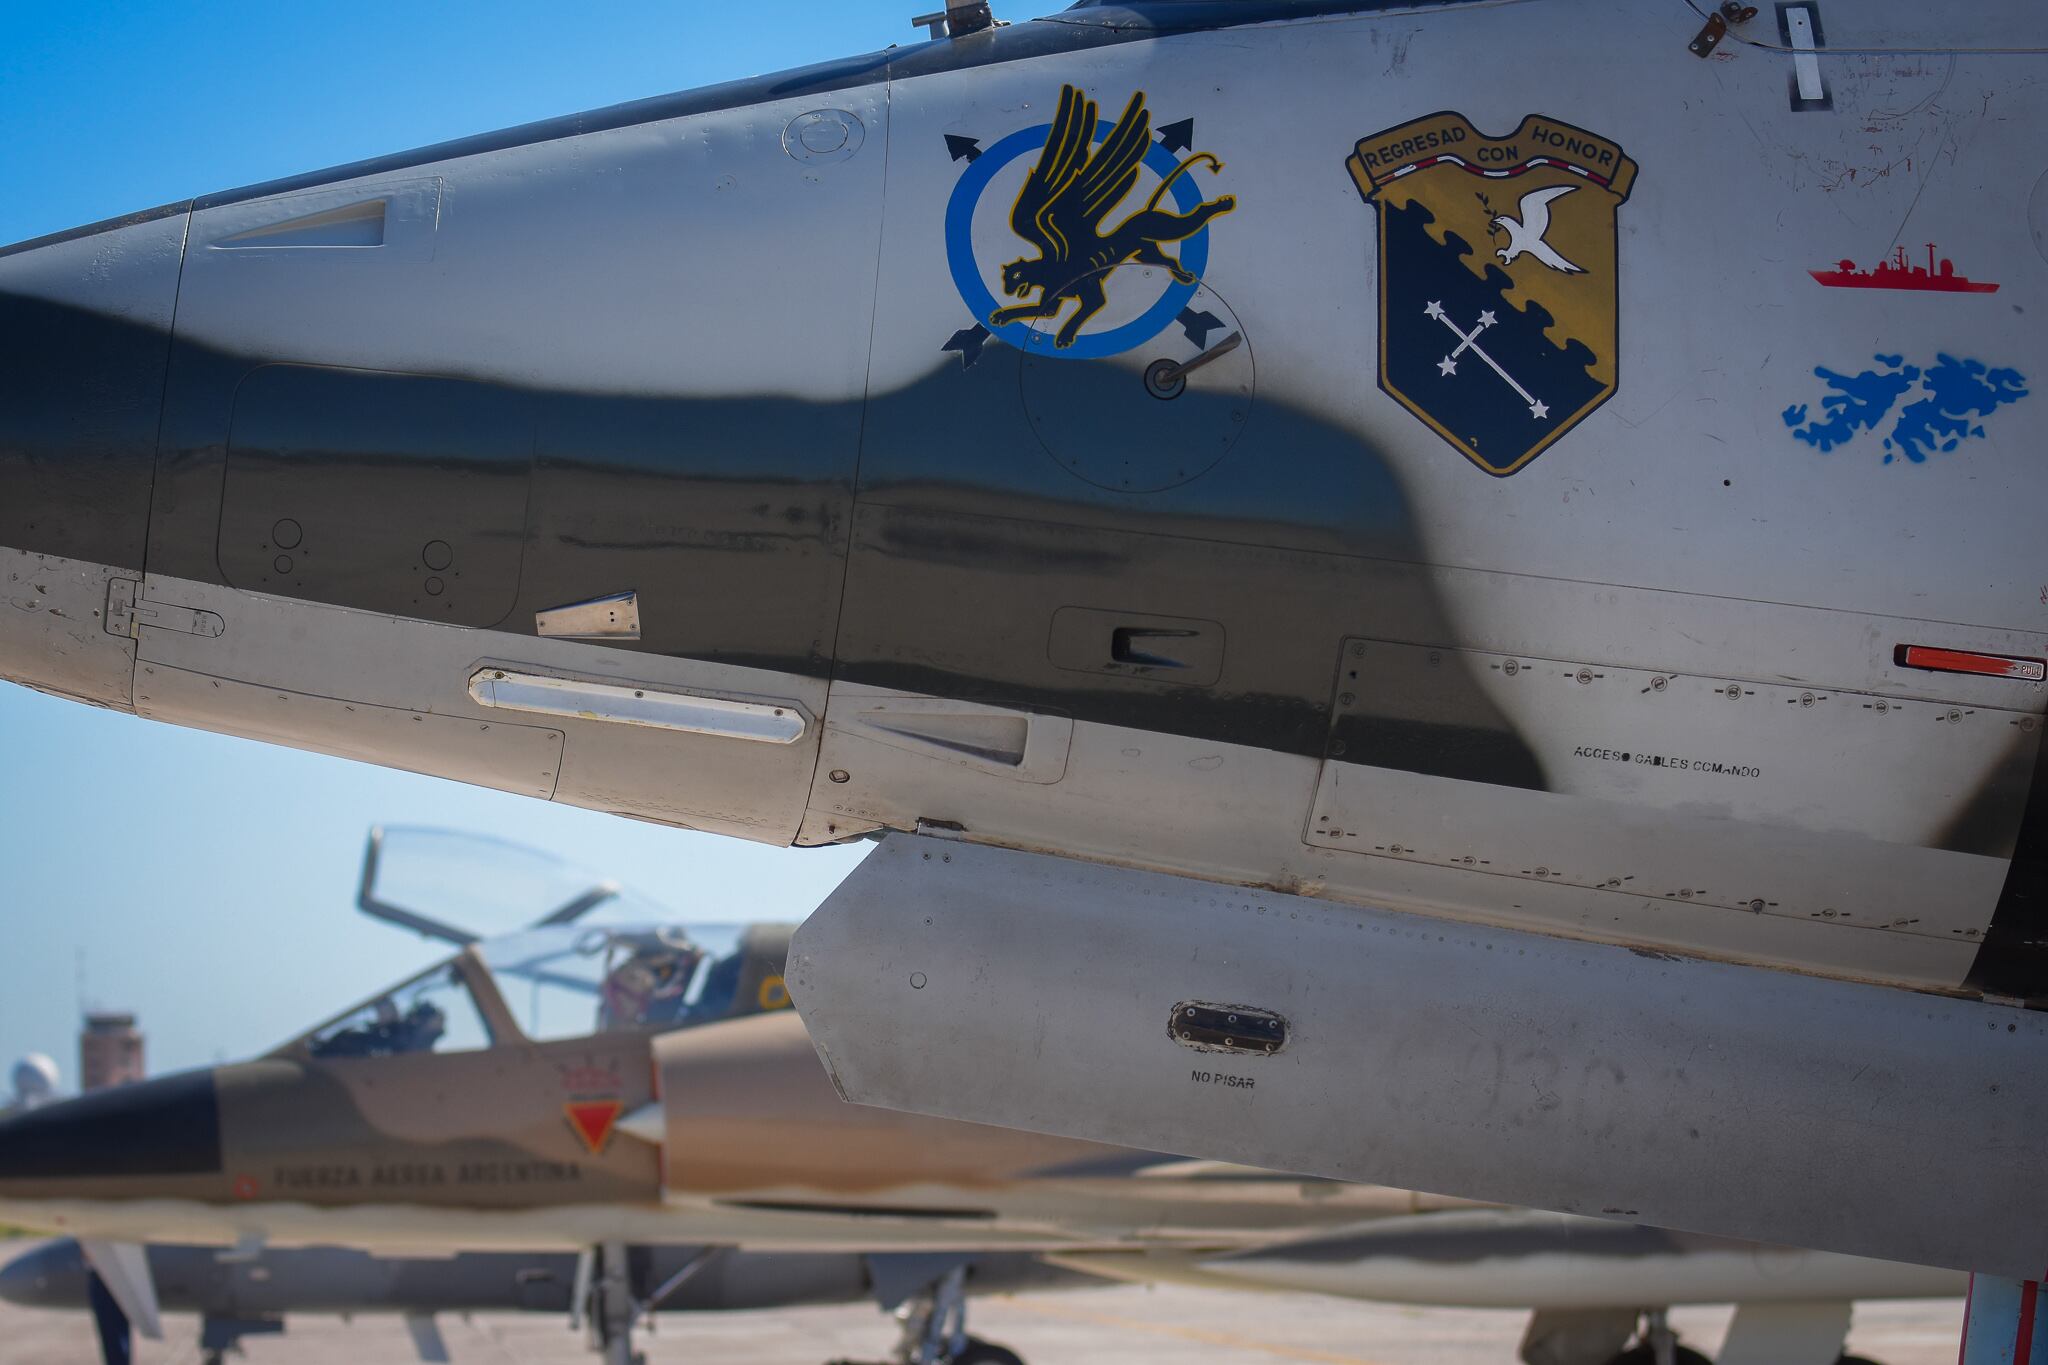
[1194, 252]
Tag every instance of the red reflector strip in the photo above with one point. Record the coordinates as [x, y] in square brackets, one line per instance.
[1965, 661]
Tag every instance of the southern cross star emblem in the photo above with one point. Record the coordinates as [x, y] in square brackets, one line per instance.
[1449, 364]
[1469, 341]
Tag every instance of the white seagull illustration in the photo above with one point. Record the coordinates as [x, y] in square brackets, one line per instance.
[1526, 233]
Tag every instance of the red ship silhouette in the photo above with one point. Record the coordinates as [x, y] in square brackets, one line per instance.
[1895, 273]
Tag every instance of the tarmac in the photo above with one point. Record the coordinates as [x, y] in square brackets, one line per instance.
[1111, 1326]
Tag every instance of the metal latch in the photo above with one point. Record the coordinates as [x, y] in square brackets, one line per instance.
[128, 611]
[1732, 12]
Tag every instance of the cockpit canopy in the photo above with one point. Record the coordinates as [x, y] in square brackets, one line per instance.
[566, 981]
[594, 958]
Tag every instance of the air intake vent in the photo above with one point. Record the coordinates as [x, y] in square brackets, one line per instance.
[354, 225]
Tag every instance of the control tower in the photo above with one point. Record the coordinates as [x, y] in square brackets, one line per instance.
[109, 1050]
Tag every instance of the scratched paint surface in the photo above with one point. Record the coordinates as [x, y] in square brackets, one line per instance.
[1953, 395]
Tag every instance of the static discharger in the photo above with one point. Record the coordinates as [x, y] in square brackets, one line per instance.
[1968, 661]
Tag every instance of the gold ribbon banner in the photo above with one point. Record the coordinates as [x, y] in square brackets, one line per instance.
[1379, 159]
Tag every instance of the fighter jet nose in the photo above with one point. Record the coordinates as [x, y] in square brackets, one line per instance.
[49, 1276]
[85, 335]
[167, 1127]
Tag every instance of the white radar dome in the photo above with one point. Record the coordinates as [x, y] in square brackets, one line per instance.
[35, 1078]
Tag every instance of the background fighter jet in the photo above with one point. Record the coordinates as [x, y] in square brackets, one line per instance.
[1594, 1285]
[1604, 771]
[1589, 1281]
[581, 1086]
[239, 1296]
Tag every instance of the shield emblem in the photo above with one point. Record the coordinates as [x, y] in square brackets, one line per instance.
[1498, 278]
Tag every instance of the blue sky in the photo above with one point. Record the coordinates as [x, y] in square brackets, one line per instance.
[207, 881]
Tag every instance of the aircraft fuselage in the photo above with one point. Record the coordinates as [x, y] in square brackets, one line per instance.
[1502, 467]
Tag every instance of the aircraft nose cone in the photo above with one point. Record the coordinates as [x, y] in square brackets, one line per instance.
[49, 1276]
[167, 1127]
[85, 337]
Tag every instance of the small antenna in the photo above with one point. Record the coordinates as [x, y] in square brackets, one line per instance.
[967, 16]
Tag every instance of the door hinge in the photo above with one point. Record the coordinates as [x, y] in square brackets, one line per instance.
[1731, 12]
[128, 611]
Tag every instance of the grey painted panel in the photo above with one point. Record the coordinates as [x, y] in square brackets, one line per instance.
[53, 633]
[329, 659]
[398, 493]
[84, 341]
[1728, 1100]
[609, 288]
[517, 758]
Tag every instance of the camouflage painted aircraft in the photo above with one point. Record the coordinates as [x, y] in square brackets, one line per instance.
[1388, 521]
[576, 1087]
[237, 1296]
[1594, 1285]
[1590, 1283]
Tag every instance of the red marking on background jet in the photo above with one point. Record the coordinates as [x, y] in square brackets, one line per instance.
[593, 1120]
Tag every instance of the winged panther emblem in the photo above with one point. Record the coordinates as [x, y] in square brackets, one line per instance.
[1064, 201]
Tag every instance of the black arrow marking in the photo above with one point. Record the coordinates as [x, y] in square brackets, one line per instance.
[968, 342]
[1177, 137]
[963, 148]
[1198, 326]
